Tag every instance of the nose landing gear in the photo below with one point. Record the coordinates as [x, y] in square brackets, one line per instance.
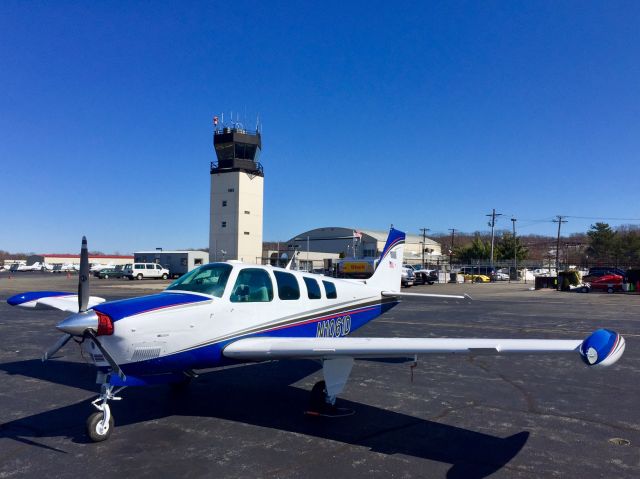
[100, 424]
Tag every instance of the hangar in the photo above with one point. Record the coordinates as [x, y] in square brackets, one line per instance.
[361, 243]
[60, 259]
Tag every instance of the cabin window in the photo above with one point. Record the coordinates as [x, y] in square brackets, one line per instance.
[288, 287]
[313, 288]
[252, 286]
[330, 289]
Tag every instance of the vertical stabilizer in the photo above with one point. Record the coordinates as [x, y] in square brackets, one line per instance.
[388, 274]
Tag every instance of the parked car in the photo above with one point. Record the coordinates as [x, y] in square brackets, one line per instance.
[477, 278]
[109, 273]
[481, 270]
[600, 271]
[609, 283]
[408, 277]
[423, 275]
[146, 271]
[500, 276]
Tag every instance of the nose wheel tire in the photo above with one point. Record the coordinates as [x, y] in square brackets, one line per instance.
[97, 430]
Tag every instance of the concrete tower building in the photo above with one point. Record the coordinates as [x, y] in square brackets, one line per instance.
[237, 187]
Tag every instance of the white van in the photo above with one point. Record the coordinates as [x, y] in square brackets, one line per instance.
[145, 271]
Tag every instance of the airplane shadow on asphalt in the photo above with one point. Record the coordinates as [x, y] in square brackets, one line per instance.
[261, 395]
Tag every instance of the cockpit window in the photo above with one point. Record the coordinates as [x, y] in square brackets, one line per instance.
[253, 285]
[209, 279]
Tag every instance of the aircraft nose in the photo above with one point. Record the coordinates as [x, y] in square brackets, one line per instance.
[76, 324]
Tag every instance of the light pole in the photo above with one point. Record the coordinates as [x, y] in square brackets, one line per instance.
[424, 240]
[453, 237]
[515, 250]
[492, 223]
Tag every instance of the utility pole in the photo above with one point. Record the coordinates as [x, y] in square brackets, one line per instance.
[453, 236]
[424, 240]
[515, 249]
[492, 223]
[559, 220]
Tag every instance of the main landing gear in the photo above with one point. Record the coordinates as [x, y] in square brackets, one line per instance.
[100, 423]
[322, 402]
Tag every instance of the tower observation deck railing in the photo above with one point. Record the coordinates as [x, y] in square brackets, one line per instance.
[225, 130]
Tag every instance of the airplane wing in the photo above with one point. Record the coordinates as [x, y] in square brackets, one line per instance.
[602, 347]
[51, 300]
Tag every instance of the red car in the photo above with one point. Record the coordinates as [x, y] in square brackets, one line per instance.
[609, 283]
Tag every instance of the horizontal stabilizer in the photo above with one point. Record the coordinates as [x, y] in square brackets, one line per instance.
[465, 297]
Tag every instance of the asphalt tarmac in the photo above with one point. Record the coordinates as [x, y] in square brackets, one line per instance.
[469, 417]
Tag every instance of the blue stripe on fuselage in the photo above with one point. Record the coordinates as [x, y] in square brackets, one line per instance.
[129, 307]
[33, 295]
[211, 356]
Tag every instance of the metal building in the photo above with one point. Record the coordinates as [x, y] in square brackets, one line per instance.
[362, 243]
[177, 262]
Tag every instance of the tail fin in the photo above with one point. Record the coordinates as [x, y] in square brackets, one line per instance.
[388, 274]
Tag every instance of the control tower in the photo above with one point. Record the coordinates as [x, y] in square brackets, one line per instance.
[237, 190]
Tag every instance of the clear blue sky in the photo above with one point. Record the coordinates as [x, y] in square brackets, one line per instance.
[412, 113]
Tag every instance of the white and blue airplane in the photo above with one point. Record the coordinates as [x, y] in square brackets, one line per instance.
[228, 313]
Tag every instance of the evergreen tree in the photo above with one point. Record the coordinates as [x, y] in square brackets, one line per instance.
[504, 248]
[603, 242]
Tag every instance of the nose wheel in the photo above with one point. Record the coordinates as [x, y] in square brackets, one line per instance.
[100, 424]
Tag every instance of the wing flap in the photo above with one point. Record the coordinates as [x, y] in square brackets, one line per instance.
[263, 348]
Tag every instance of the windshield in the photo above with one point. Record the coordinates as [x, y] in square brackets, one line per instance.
[209, 279]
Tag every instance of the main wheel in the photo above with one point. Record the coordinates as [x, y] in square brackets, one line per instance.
[317, 398]
[106, 276]
[478, 280]
[96, 430]
[139, 277]
[164, 276]
[609, 290]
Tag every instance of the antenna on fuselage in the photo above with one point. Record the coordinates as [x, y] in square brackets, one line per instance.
[290, 263]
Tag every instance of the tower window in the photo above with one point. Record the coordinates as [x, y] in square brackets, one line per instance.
[231, 190]
[224, 202]
[224, 224]
[247, 233]
[246, 212]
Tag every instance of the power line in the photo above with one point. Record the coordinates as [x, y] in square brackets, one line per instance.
[601, 218]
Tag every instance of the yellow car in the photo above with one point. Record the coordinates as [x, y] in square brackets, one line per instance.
[477, 278]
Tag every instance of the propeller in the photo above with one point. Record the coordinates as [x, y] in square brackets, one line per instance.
[83, 278]
[83, 303]
[88, 333]
[58, 345]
